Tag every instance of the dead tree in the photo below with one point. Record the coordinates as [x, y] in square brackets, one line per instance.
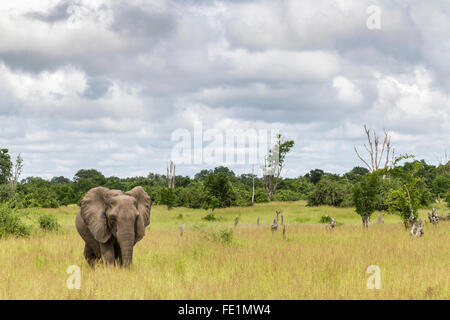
[181, 229]
[171, 175]
[274, 227]
[15, 173]
[253, 184]
[412, 218]
[274, 164]
[417, 229]
[380, 219]
[433, 217]
[377, 153]
[332, 224]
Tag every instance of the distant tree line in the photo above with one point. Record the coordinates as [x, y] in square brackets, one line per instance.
[221, 187]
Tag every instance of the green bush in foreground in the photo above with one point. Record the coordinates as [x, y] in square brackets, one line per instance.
[10, 223]
[48, 223]
[325, 219]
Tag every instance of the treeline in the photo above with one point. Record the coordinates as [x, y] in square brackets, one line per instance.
[221, 187]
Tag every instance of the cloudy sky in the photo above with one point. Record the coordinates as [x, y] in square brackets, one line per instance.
[104, 84]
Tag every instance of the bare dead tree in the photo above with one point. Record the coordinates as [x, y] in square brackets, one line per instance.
[332, 224]
[253, 184]
[417, 229]
[412, 218]
[274, 226]
[377, 153]
[380, 219]
[433, 217]
[171, 175]
[15, 173]
[274, 164]
[181, 229]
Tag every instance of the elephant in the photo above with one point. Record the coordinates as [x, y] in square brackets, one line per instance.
[111, 223]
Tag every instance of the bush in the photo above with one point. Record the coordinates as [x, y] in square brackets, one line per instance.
[329, 191]
[224, 236]
[286, 195]
[48, 223]
[10, 223]
[325, 219]
[210, 217]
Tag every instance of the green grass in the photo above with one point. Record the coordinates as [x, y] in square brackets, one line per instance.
[212, 262]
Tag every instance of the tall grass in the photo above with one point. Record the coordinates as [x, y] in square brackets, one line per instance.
[311, 263]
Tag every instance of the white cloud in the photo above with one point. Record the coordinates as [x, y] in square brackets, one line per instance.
[347, 92]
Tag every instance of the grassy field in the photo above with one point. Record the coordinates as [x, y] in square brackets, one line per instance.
[209, 262]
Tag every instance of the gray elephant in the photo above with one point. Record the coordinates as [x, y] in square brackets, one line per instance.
[111, 222]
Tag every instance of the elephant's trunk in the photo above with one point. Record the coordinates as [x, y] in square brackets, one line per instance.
[126, 247]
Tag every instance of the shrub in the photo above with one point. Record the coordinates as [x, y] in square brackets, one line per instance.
[210, 216]
[329, 191]
[224, 236]
[48, 223]
[10, 223]
[325, 219]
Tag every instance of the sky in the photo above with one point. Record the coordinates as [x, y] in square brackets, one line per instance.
[106, 84]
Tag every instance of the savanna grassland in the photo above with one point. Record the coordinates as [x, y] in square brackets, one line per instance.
[210, 262]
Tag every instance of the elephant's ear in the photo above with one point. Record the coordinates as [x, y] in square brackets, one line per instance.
[93, 212]
[144, 203]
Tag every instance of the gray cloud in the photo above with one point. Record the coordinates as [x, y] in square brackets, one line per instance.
[109, 93]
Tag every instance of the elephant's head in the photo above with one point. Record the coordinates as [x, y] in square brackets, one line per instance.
[122, 215]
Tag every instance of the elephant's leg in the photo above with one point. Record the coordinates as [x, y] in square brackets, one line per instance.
[118, 253]
[107, 251]
[90, 255]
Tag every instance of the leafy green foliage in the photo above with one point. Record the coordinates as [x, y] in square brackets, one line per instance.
[330, 191]
[325, 219]
[5, 166]
[219, 191]
[168, 197]
[406, 199]
[365, 194]
[48, 223]
[224, 236]
[10, 223]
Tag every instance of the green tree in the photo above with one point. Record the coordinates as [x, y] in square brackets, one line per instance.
[315, 175]
[406, 199]
[219, 186]
[365, 194]
[5, 166]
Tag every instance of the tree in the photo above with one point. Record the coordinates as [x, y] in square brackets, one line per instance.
[84, 180]
[375, 151]
[15, 173]
[5, 166]
[365, 195]
[273, 164]
[332, 192]
[406, 199]
[315, 175]
[171, 175]
[218, 186]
